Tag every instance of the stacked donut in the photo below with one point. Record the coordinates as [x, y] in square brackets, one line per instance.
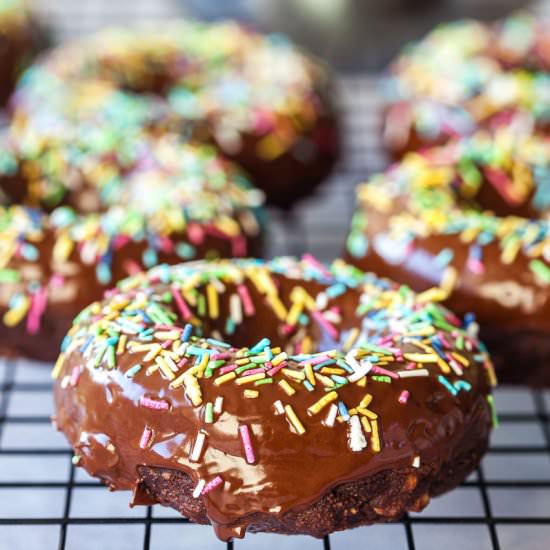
[113, 162]
[471, 215]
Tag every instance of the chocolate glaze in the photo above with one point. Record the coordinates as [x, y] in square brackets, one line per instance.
[104, 422]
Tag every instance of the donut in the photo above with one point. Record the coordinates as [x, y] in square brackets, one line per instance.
[20, 40]
[467, 75]
[264, 103]
[472, 217]
[281, 396]
[171, 201]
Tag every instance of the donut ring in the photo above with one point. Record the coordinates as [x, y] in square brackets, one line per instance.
[466, 75]
[471, 216]
[256, 97]
[307, 400]
[19, 40]
[171, 201]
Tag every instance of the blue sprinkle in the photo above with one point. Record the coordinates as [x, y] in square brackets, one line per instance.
[187, 331]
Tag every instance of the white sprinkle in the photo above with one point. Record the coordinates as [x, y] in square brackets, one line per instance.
[412, 373]
[321, 301]
[235, 309]
[198, 488]
[279, 409]
[360, 369]
[331, 416]
[218, 405]
[416, 462]
[356, 438]
[197, 447]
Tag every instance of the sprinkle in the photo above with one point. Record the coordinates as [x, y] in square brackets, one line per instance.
[247, 301]
[132, 371]
[199, 487]
[197, 447]
[287, 388]
[212, 297]
[182, 306]
[251, 378]
[294, 420]
[279, 409]
[217, 481]
[251, 394]
[494, 416]
[247, 444]
[447, 384]
[413, 373]
[75, 376]
[403, 397]
[541, 270]
[153, 404]
[187, 331]
[58, 366]
[322, 403]
[145, 438]
[209, 413]
[225, 378]
[416, 462]
[218, 405]
[331, 416]
[375, 437]
[356, 438]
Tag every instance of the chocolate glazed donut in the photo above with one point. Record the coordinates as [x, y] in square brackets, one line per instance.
[281, 397]
[466, 75]
[471, 217]
[171, 201]
[263, 102]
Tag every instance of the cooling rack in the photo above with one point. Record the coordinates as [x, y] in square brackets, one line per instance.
[46, 503]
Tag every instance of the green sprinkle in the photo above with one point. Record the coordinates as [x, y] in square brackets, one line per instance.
[541, 270]
[209, 413]
[9, 276]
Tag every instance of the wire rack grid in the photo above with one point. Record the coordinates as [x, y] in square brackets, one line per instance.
[46, 503]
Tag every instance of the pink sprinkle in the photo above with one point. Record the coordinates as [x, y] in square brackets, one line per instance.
[380, 370]
[212, 485]
[182, 306]
[160, 326]
[57, 280]
[227, 368]
[195, 233]
[182, 363]
[403, 397]
[475, 266]
[145, 438]
[315, 262]
[220, 356]
[238, 246]
[75, 375]
[332, 332]
[276, 369]
[254, 371]
[37, 309]
[132, 267]
[119, 241]
[166, 344]
[165, 244]
[246, 299]
[288, 329]
[410, 366]
[153, 404]
[247, 443]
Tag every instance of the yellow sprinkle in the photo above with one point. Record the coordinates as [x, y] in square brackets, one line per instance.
[294, 374]
[366, 401]
[294, 313]
[375, 437]
[435, 294]
[277, 306]
[288, 389]
[421, 357]
[460, 358]
[448, 280]
[279, 359]
[366, 424]
[251, 394]
[325, 380]
[307, 345]
[367, 413]
[15, 315]
[250, 378]
[351, 339]
[332, 370]
[177, 382]
[58, 366]
[322, 403]
[243, 361]
[202, 365]
[62, 248]
[153, 352]
[225, 378]
[362, 382]
[213, 305]
[193, 389]
[121, 346]
[309, 374]
[294, 420]
[165, 369]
